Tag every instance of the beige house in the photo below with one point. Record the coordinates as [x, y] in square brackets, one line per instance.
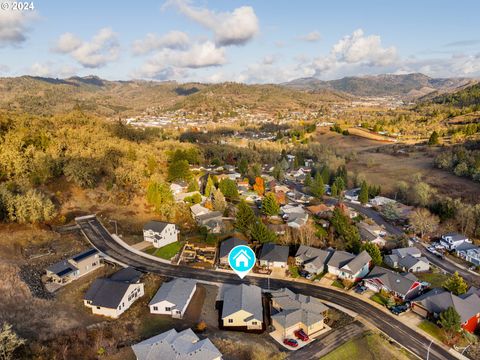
[297, 311]
[242, 307]
[112, 296]
[71, 269]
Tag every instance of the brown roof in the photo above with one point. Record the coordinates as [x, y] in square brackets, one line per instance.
[316, 209]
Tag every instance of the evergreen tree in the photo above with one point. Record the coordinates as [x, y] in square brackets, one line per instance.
[308, 180]
[363, 195]
[325, 174]
[193, 185]
[160, 196]
[261, 233]
[209, 187]
[434, 139]
[374, 252]
[245, 217]
[243, 166]
[229, 188]
[318, 187]
[451, 322]
[456, 284]
[269, 205]
[334, 190]
[219, 203]
[179, 170]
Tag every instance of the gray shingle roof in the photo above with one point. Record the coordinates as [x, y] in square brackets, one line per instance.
[227, 245]
[402, 252]
[243, 297]
[455, 236]
[289, 318]
[128, 275]
[157, 226]
[438, 300]
[106, 293]
[349, 262]
[173, 345]
[176, 292]
[62, 268]
[209, 216]
[399, 283]
[340, 258]
[314, 256]
[409, 261]
[274, 252]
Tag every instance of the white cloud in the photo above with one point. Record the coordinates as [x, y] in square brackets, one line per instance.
[14, 25]
[102, 49]
[50, 69]
[313, 36]
[168, 62]
[230, 28]
[171, 40]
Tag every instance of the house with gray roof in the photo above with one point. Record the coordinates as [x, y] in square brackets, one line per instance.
[173, 345]
[77, 266]
[312, 259]
[452, 240]
[172, 298]
[349, 266]
[469, 252]
[407, 259]
[112, 296]
[226, 246]
[404, 286]
[242, 307]
[434, 302]
[273, 256]
[160, 233]
[296, 311]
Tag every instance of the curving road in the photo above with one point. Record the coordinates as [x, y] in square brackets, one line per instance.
[101, 239]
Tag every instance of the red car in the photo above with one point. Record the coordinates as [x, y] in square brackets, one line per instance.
[290, 342]
[300, 334]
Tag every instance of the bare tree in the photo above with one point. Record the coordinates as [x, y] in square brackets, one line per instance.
[9, 342]
[423, 222]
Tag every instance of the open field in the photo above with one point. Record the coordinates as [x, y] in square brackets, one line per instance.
[368, 347]
[369, 135]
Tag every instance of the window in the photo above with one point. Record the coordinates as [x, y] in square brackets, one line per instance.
[155, 308]
[230, 321]
[178, 312]
[254, 323]
[167, 308]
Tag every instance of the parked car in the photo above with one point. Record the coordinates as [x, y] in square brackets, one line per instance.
[397, 310]
[303, 273]
[309, 277]
[300, 334]
[290, 342]
[360, 289]
[431, 249]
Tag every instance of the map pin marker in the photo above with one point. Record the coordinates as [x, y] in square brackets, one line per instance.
[241, 259]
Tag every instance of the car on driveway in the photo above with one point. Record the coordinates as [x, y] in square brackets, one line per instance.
[309, 277]
[360, 289]
[300, 334]
[291, 342]
[397, 310]
[303, 273]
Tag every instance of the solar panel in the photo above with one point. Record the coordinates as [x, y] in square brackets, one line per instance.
[84, 255]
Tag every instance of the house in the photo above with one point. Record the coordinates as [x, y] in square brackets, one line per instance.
[434, 302]
[372, 233]
[469, 252]
[321, 210]
[179, 187]
[297, 221]
[349, 266]
[182, 196]
[172, 298]
[173, 345]
[379, 201]
[352, 194]
[407, 259]
[242, 307]
[112, 296]
[452, 240]
[226, 246]
[273, 255]
[160, 233]
[292, 211]
[71, 269]
[297, 311]
[312, 259]
[404, 286]
[198, 210]
[204, 219]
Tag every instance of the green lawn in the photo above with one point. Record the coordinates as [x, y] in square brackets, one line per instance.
[432, 329]
[337, 283]
[379, 299]
[435, 279]
[166, 252]
[294, 271]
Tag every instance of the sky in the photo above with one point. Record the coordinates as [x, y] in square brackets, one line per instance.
[261, 41]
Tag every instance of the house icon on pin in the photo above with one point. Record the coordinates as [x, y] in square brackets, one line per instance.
[242, 259]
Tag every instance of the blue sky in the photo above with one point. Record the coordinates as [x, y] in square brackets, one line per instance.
[247, 41]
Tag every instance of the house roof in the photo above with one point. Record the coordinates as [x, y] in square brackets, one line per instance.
[314, 256]
[227, 245]
[366, 235]
[455, 236]
[274, 252]
[317, 209]
[210, 216]
[340, 258]
[176, 292]
[84, 254]
[127, 275]
[106, 293]
[62, 268]
[288, 318]
[354, 265]
[410, 261]
[243, 297]
[465, 247]
[173, 345]
[399, 283]
[198, 209]
[438, 300]
[402, 252]
[157, 226]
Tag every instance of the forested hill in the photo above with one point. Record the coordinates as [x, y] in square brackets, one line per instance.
[469, 96]
[91, 94]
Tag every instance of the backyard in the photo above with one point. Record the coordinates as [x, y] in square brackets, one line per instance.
[166, 252]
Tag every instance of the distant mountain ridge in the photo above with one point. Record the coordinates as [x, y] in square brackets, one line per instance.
[411, 86]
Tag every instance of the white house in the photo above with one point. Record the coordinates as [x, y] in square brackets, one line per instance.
[71, 269]
[352, 194]
[349, 266]
[273, 256]
[407, 259]
[452, 240]
[112, 296]
[242, 307]
[160, 233]
[173, 298]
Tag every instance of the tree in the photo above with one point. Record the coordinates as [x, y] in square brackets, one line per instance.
[245, 217]
[259, 186]
[451, 322]
[318, 187]
[83, 172]
[434, 139]
[363, 195]
[325, 174]
[193, 185]
[243, 166]
[422, 193]
[308, 180]
[269, 205]
[278, 172]
[219, 203]
[261, 233]
[229, 188]
[160, 196]
[194, 199]
[347, 232]
[422, 221]
[9, 342]
[456, 284]
[179, 170]
[209, 187]
[374, 252]
[334, 190]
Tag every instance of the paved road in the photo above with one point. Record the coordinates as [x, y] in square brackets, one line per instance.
[418, 344]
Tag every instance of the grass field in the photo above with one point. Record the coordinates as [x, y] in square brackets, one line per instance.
[432, 329]
[369, 347]
[166, 252]
[379, 299]
[435, 279]
[337, 283]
